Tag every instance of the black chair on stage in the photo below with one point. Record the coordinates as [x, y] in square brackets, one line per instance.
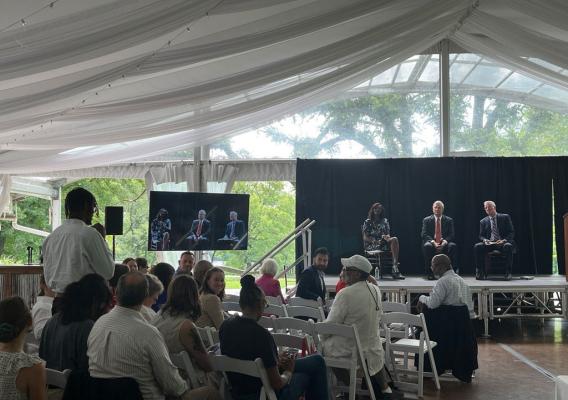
[496, 264]
[381, 260]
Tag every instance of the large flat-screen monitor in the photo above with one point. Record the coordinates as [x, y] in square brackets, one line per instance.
[198, 221]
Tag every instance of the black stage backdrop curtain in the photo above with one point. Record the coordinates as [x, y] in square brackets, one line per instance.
[339, 193]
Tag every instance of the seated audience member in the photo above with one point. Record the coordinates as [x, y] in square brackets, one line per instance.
[448, 312]
[437, 236]
[450, 289]
[130, 263]
[165, 272]
[312, 284]
[22, 376]
[359, 305]
[185, 263]
[305, 375]
[200, 270]
[155, 289]
[41, 311]
[142, 265]
[496, 232]
[341, 284]
[64, 340]
[211, 295]
[269, 285]
[119, 270]
[113, 353]
[175, 323]
[376, 236]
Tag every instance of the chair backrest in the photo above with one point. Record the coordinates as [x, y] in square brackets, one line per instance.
[183, 362]
[293, 324]
[234, 298]
[301, 311]
[267, 322]
[285, 340]
[231, 306]
[251, 368]
[389, 306]
[279, 311]
[276, 301]
[57, 378]
[403, 318]
[298, 301]
[206, 335]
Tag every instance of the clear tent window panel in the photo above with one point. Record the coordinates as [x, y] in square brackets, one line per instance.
[392, 114]
[496, 111]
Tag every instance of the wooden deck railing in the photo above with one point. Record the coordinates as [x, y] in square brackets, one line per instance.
[20, 280]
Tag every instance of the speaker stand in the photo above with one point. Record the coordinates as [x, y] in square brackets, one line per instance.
[113, 248]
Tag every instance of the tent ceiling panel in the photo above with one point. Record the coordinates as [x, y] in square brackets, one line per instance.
[84, 84]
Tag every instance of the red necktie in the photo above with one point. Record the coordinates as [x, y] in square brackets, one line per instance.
[198, 233]
[438, 232]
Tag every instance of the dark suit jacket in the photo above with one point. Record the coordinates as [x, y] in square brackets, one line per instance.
[310, 286]
[239, 231]
[429, 228]
[504, 224]
[205, 227]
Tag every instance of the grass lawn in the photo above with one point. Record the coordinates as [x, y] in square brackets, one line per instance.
[233, 282]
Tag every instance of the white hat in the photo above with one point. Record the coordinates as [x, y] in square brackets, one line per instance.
[359, 262]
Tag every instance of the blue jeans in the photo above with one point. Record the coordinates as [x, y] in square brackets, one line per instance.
[309, 377]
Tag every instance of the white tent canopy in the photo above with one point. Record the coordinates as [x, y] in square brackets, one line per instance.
[85, 84]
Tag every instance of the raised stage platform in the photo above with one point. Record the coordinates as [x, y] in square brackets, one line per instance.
[544, 296]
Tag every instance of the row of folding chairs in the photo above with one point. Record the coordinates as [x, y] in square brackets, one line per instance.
[283, 310]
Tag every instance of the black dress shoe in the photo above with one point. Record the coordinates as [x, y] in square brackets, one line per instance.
[508, 277]
[480, 276]
[431, 277]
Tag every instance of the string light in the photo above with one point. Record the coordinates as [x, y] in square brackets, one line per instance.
[122, 76]
[23, 21]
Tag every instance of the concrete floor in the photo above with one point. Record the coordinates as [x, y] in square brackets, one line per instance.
[505, 370]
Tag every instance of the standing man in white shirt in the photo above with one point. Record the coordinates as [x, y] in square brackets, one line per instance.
[359, 305]
[76, 249]
[113, 354]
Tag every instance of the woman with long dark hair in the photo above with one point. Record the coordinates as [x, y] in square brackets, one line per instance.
[376, 236]
[175, 321]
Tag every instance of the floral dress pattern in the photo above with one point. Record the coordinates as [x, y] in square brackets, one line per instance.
[374, 230]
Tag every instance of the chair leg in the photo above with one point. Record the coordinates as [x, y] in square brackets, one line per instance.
[434, 369]
[352, 383]
[421, 373]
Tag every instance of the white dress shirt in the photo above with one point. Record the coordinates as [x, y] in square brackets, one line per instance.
[123, 344]
[72, 251]
[357, 305]
[449, 290]
[41, 313]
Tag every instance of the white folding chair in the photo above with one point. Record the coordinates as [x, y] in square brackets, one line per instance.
[288, 341]
[233, 298]
[279, 311]
[251, 368]
[275, 301]
[57, 378]
[206, 335]
[356, 361]
[407, 346]
[231, 307]
[298, 301]
[397, 330]
[316, 314]
[295, 326]
[267, 322]
[183, 362]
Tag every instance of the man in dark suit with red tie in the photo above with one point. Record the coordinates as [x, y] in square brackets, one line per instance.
[200, 229]
[496, 232]
[437, 237]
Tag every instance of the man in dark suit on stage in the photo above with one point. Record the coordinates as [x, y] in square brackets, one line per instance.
[312, 284]
[437, 237]
[496, 232]
[199, 232]
[235, 230]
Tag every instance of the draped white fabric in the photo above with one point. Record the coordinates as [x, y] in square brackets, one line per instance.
[86, 84]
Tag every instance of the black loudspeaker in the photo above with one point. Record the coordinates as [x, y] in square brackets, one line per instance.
[114, 220]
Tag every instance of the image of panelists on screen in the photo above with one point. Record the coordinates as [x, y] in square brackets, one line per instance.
[197, 221]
